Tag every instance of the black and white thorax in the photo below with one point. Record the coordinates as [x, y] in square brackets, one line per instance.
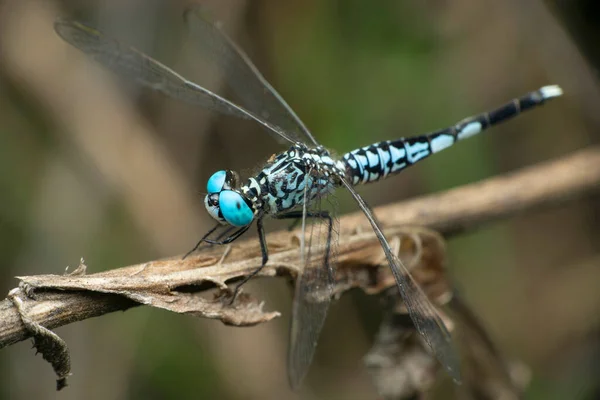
[289, 179]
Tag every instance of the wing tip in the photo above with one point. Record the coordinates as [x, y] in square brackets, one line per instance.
[64, 22]
[69, 29]
[295, 374]
[60, 24]
[294, 382]
[454, 372]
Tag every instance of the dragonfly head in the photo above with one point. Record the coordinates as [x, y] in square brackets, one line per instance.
[225, 203]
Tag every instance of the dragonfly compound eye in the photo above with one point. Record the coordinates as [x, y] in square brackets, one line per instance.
[216, 182]
[234, 208]
[211, 202]
[222, 180]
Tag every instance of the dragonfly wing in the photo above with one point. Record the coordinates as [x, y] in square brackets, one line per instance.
[132, 64]
[253, 90]
[422, 312]
[314, 286]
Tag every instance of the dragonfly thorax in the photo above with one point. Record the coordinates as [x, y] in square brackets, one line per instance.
[225, 202]
[293, 177]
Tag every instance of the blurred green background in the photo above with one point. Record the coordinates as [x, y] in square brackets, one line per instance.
[94, 168]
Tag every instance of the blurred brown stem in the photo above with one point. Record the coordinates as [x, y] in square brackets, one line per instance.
[174, 284]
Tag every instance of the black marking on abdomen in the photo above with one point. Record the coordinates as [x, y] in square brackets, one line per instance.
[379, 160]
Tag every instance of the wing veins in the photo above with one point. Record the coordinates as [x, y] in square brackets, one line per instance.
[422, 312]
[132, 63]
[314, 287]
[256, 93]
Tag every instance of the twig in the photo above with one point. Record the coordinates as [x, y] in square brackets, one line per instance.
[62, 299]
[43, 302]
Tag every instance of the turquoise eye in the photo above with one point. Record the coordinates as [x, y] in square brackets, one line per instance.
[234, 208]
[216, 182]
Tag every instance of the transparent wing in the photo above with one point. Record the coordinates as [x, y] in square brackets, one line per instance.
[132, 64]
[422, 312]
[253, 90]
[314, 286]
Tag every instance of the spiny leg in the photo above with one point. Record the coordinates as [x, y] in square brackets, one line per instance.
[217, 240]
[265, 257]
[229, 239]
[225, 232]
[200, 241]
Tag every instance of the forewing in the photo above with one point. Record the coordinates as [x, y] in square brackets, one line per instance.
[314, 287]
[423, 314]
[252, 89]
[132, 64]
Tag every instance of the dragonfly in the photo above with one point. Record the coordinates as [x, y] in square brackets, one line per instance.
[297, 183]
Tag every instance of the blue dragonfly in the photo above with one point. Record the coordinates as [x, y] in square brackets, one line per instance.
[299, 182]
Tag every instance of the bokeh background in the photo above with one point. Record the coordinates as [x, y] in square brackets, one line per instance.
[93, 167]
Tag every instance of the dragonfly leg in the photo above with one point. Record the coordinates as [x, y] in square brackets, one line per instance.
[225, 233]
[200, 241]
[217, 240]
[228, 239]
[265, 258]
[297, 215]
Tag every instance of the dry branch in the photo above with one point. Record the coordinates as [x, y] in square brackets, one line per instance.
[43, 302]
[78, 297]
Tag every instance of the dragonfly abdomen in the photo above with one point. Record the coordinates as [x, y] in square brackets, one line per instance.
[379, 160]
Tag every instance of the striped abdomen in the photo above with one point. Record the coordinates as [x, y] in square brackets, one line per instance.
[377, 161]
